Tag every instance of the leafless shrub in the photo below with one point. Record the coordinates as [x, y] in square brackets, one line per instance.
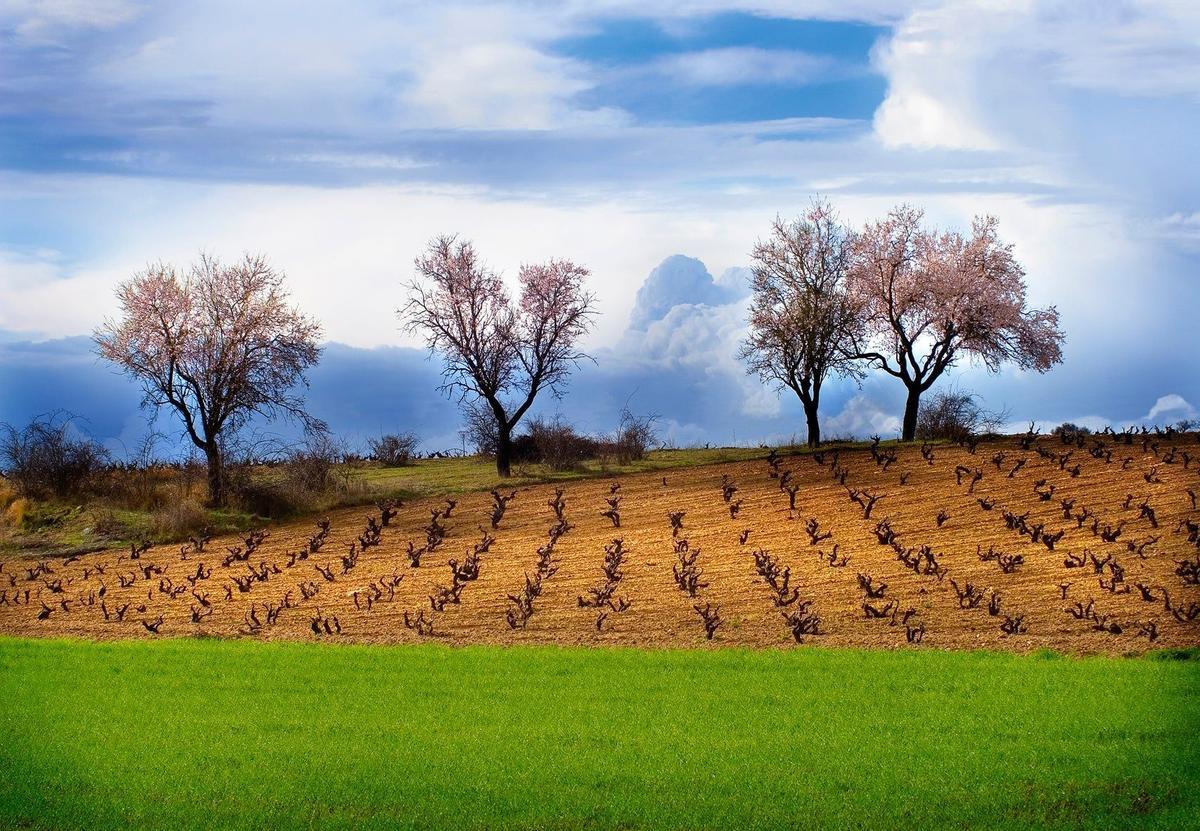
[422, 625]
[558, 504]
[613, 512]
[309, 467]
[815, 534]
[387, 509]
[778, 578]
[710, 615]
[522, 604]
[955, 416]
[802, 623]
[635, 435]
[687, 574]
[1189, 570]
[554, 443]
[500, 505]
[873, 612]
[394, 449]
[969, 596]
[1013, 625]
[869, 588]
[676, 518]
[414, 554]
[48, 457]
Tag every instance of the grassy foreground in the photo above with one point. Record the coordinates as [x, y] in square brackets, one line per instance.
[229, 734]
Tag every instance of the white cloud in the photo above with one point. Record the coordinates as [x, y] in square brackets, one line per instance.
[733, 66]
[371, 161]
[931, 62]
[861, 416]
[1182, 229]
[353, 68]
[43, 297]
[1148, 48]
[42, 21]
[993, 76]
[1172, 406]
[486, 68]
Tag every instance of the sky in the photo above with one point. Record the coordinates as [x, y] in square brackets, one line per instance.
[653, 142]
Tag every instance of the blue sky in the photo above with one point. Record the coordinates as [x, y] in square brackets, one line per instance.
[652, 141]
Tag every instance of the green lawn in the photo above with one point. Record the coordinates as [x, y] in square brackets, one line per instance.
[238, 734]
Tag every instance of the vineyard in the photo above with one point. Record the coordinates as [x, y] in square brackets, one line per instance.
[1078, 543]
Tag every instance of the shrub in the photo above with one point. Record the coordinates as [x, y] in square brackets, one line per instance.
[955, 415]
[140, 482]
[107, 524]
[7, 494]
[635, 436]
[1068, 428]
[178, 521]
[273, 500]
[553, 443]
[310, 466]
[45, 459]
[394, 450]
[14, 514]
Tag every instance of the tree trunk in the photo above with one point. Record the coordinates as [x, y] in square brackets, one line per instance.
[216, 476]
[911, 407]
[814, 426]
[504, 451]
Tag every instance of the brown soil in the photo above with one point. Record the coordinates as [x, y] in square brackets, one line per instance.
[662, 615]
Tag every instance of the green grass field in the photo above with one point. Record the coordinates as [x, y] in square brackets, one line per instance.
[229, 734]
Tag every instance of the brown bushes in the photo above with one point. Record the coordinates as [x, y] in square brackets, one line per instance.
[49, 458]
[180, 520]
[394, 449]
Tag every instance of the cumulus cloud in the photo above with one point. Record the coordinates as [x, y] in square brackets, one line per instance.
[680, 280]
[862, 416]
[687, 327]
[1171, 406]
[736, 280]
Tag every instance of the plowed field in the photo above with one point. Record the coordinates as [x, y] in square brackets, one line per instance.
[1128, 593]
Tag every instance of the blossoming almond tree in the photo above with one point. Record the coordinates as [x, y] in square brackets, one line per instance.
[218, 344]
[923, 299]
[499, 354]
[800, 313]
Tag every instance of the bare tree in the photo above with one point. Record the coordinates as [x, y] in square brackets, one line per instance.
[923, 299]
[498, 355]
[800, 314]
[218, 344]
